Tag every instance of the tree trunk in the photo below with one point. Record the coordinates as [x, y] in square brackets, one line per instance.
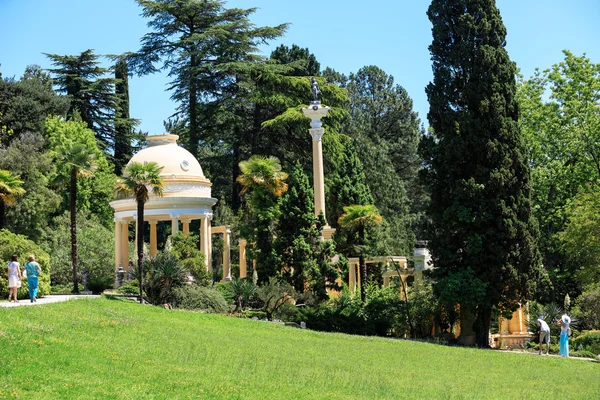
[140, 245]
[73, 207]
[363, 266]
[482, 327]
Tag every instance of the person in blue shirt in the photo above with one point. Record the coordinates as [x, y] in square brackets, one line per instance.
[33, 271]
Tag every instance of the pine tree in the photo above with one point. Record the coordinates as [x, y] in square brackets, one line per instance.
[482, 236]
[92, 95]
[304, 258]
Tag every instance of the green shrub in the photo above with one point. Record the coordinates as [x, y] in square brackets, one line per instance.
[588, 341]
[95, 247]
[62, 289]
[255, 314]
[288, 313]
[99, 284]
[584, 354]
[129, 289]
[10, 244]
[587, 308]
[192, 297]
[226, 289]
[162, 275]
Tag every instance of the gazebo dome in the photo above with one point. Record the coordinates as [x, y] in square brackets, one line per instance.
[177, 162]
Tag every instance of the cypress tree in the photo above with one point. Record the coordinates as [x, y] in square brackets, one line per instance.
[123, 123]
[303, 257]
[482, 235]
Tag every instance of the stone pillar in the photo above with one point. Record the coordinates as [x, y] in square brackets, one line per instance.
[174, 224]
[315, 112]
[153, 244]
[386, 281]
[209, 239]
[186, 226]
[118, 245]
[226, 255]
[351, 277]
[243, 272]
[125, 245]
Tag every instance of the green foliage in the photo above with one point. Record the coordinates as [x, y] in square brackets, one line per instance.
[185, 248]
[587, 307]
[91, 94]
[95, 247]
[475, 163]
[10, 244]
[560, 114]
[205, 299]
[162, 275]
[131, 288]
[243, 291]
[302, 257]
[25, 157]
[273, 295]
[100, 284]
[124, 125]
[25, 104]
[588, 341]
[301, 61]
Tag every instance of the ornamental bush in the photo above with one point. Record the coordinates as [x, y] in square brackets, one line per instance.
[192, 297]
[588, 341]
[10, 244]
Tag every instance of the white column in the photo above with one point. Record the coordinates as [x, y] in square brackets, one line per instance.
[118, 244]
[174, 224]
[125, 244]
[204, 242]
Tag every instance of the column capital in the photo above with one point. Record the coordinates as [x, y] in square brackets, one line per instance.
[174, 216]
[152, 222]
[208, 216]
[316, 133]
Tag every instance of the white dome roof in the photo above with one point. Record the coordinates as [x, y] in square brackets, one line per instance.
[177, 162]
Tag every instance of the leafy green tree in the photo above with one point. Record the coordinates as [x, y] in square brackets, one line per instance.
[303, 258]
[185, 248]
[95, 248]
[264, 181]
[559, 120]
[587, 307]
[360, 218]
[140, 180]
[26, 157]
[204, 47]
[482, 227]
[10, 186]
[92, 94]
[81, 162]
[25, 104]
[93, 193]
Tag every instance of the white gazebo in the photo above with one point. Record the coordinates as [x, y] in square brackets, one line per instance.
[187, 196]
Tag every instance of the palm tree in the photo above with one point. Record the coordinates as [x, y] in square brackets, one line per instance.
[263, 178]
[10, 186]
[359, 218]
[82, 163]
[263, 173]
[139, 180]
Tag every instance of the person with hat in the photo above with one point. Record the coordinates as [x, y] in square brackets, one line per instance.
[565, 330]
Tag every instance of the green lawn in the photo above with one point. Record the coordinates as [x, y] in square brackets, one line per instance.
[112, 349]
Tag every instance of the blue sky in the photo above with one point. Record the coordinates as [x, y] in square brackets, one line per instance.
[343, 34]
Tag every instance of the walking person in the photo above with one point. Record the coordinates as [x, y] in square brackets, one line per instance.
[544, 334]
[33, 271]
[14, 278]
[565, 330]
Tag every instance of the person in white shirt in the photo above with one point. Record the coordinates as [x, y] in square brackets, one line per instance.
[544, 334]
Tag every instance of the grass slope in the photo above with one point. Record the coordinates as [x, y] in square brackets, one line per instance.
[111, 349]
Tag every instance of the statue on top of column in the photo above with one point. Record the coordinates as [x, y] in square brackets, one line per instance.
[315, 90]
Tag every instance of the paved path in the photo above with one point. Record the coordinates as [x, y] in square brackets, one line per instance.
[46, 300]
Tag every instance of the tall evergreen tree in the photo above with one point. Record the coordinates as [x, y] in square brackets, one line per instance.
[301, 61]
[124, 125]
[304, 258]
[91, 93]
[482, 236]
[205, 48]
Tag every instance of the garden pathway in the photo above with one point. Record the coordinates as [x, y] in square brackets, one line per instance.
[46, 300]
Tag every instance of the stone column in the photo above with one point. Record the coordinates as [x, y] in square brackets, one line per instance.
[186, 226]
[209, 239]
[125, 245]
[243, 272]
[351, 277]
[315, 112]
[174, 224]
[226, 255]
[386, 281]
[153, 245]
[118, 244]
[204, 229]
